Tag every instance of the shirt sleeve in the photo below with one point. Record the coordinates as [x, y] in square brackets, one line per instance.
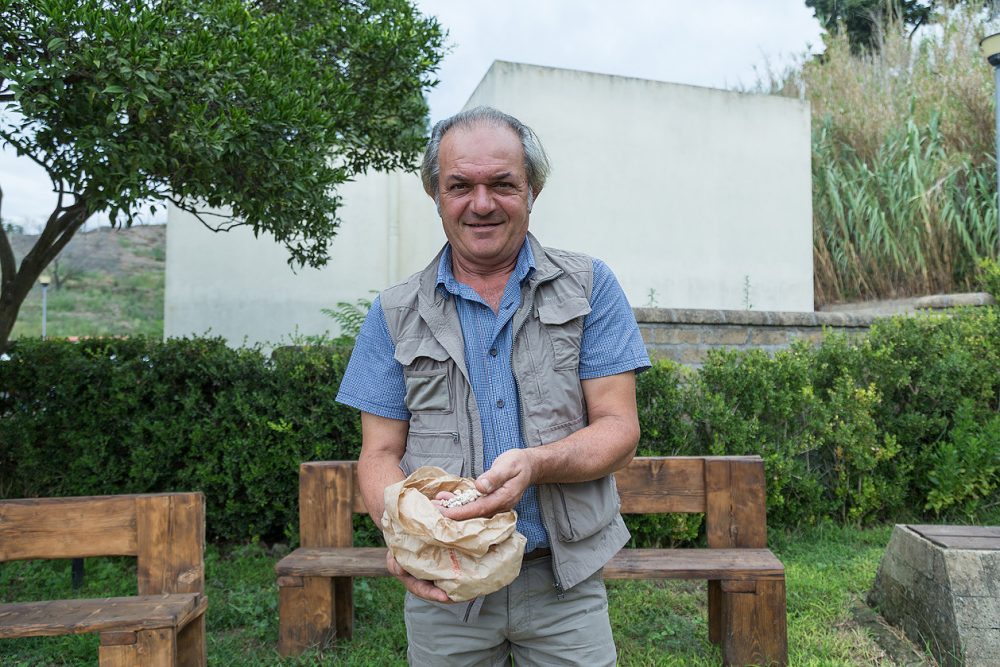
[373, 381]
[611, 341]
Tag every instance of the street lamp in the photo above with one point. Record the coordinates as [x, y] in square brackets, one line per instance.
[44, 280]
[991, 49]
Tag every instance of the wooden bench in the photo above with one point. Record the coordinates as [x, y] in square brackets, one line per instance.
[164, 625]
[746, 582]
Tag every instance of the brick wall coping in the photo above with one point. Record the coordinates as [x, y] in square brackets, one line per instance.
[931, 302]
[751, 317]
[859, 315]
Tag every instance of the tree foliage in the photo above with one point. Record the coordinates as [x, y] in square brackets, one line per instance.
[255, 106]
[864, 20]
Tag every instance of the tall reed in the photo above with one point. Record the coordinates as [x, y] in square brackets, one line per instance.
[904, 167]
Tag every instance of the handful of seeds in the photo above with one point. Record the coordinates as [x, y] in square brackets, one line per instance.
[461, 498]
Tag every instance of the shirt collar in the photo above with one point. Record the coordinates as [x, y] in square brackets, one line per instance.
[522, 269]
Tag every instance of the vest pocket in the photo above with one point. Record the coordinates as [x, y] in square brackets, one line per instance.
[425, 373]
[563, 322]
[432, 449]
[428, 391]
[584, 508]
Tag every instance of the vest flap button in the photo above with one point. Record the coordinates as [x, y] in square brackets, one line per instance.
[493, 352]
[499, 402]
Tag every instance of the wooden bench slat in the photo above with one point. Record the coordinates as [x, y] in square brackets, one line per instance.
[334, 562]
[648, 485]
[627, 564]
[124, 614]
[710, 564]
[929, 531]
[652, 486]
[46, 528]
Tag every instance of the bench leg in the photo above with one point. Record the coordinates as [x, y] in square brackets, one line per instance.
[343, 606]
[191, 644]
[714, 611]
[305, 613]
[145, 648]
[753, 622]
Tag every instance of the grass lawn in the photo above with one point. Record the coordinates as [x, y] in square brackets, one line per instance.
[655, 622]
[96, 304]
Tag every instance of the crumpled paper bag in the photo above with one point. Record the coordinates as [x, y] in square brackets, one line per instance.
[467, 558]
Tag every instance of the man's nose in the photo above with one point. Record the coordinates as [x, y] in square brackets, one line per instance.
[482, 200]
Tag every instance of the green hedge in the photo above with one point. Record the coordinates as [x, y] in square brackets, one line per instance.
[138, 415]
[905, 422]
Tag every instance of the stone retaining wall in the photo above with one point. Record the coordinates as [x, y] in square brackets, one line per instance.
[687, 335]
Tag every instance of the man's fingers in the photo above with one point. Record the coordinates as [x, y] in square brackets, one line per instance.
[484, 484]
[419, 587]
[424, 589]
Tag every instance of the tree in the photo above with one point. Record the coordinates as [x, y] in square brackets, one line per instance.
[261, 107]
[864, 20]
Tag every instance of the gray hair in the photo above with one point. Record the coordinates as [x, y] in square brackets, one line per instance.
[536, 163]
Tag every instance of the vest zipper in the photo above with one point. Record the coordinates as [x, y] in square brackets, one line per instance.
[472, 440]
[560, 593]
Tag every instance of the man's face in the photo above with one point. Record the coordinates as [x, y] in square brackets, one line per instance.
[483, 191]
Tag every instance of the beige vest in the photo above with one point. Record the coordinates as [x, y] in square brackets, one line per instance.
[582, 519]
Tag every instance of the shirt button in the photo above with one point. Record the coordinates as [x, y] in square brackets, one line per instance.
[493, 352]
[499, 402]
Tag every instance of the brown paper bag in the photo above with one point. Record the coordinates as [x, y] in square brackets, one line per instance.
[464, 558]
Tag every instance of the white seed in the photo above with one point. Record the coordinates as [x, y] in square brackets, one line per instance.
[462, 498]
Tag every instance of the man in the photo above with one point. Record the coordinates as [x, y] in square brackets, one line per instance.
[513, 364]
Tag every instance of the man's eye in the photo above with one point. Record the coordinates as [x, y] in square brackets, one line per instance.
[506, 187]
[459, 186]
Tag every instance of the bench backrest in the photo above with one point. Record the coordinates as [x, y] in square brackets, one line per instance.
[164, 531]
[728, 489]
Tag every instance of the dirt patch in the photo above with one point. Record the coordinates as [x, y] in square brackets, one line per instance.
[897, 645]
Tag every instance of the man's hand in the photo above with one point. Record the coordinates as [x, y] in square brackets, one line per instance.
[503, 485]
[419, 587]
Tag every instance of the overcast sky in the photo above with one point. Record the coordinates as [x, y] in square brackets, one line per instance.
[715, 43]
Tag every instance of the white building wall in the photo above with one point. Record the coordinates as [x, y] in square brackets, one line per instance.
[689, 194]
[240, 287]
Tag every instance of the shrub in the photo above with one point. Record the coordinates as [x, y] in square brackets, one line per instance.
[989, 277]
[903, 422]
[137, 415]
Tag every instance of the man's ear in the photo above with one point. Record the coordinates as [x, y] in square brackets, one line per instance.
[532, 196]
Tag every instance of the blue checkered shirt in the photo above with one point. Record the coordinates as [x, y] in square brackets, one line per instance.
[611, 344]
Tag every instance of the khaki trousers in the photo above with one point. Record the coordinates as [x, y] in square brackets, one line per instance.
[525, 620]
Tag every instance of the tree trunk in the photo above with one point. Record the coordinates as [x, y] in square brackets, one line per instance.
[16, 281]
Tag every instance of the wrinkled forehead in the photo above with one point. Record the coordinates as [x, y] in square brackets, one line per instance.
[483, 143]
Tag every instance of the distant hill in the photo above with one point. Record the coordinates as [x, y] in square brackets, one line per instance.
[105, 282]
[106, 250]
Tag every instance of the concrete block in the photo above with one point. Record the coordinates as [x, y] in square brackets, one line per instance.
[673, 335]
[941, 598]
[977, 613]
[982, 648]
[811, 335]
[769, 336]
[966, 576]
[730, 335]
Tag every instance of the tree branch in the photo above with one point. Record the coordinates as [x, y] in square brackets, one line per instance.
[9, 138]
[179, 203]
[59, 229]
